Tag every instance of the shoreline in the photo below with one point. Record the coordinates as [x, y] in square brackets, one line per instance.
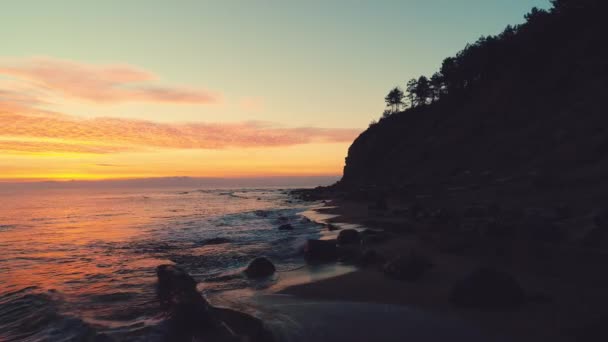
[565, 316]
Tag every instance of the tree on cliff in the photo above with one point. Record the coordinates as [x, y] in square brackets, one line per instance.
[411, 90]
[437, 89]
[423, 91]
[419, 91]
[394, 99]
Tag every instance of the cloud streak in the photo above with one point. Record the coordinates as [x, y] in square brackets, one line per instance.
[25, 133]
[100, 83]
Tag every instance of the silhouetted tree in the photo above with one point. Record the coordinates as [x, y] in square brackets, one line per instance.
[535, 14]
[411, 91]
[436, 86]
[394, 99]
[423, 91]
[491, 57]
[561, 6]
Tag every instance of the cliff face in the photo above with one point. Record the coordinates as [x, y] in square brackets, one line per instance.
[540, 114]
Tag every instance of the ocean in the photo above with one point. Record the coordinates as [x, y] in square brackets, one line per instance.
[79, 263]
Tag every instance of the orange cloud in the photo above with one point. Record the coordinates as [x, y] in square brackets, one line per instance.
[100, 83]
[28, 133]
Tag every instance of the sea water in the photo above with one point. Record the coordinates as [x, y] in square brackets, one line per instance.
[80, 263]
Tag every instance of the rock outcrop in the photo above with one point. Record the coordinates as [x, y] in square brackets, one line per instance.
[348, 236]
[192, 318]
[260, 267]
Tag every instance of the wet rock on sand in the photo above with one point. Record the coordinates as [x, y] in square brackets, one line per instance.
[260, 267]
[194, 319]
[348, 236]
[370, 257]
[332, 227]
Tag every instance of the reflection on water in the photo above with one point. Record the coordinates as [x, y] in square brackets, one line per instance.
[85, 260]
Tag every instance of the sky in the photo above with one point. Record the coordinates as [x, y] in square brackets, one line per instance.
[133, 89]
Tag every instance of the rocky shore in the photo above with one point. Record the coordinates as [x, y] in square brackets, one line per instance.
[516, 271]
[498, 272]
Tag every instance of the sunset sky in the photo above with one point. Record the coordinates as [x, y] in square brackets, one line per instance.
[129, 89]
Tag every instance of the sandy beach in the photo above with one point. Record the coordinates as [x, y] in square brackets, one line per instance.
[571, 297]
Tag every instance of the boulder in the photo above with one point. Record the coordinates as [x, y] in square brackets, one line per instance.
[488, 288]
[321, 250]
[408, 267]
[349, 253]
[173, 282]
[370, 257]
[348, 236]
[260, 267]
[332, 227]
[192, 318]
[286, 226]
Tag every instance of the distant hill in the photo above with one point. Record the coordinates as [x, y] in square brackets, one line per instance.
[526, 106]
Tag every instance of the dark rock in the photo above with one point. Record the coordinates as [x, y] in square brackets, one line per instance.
[260, 267]
[192, 318]
[174, 281]
[332, 227]
[286, 226]
[216, 241]
[349, 253]
[489, 289]
[243, 324]
[321, 250]
[408, 267]
[305, 220]
[370, 257]
[348, 236]
[191, 314]
[283, 219]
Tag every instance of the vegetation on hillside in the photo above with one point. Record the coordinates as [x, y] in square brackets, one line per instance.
[491, 56]
[527, 102]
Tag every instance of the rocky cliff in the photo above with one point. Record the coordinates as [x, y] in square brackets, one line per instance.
[530, 108]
